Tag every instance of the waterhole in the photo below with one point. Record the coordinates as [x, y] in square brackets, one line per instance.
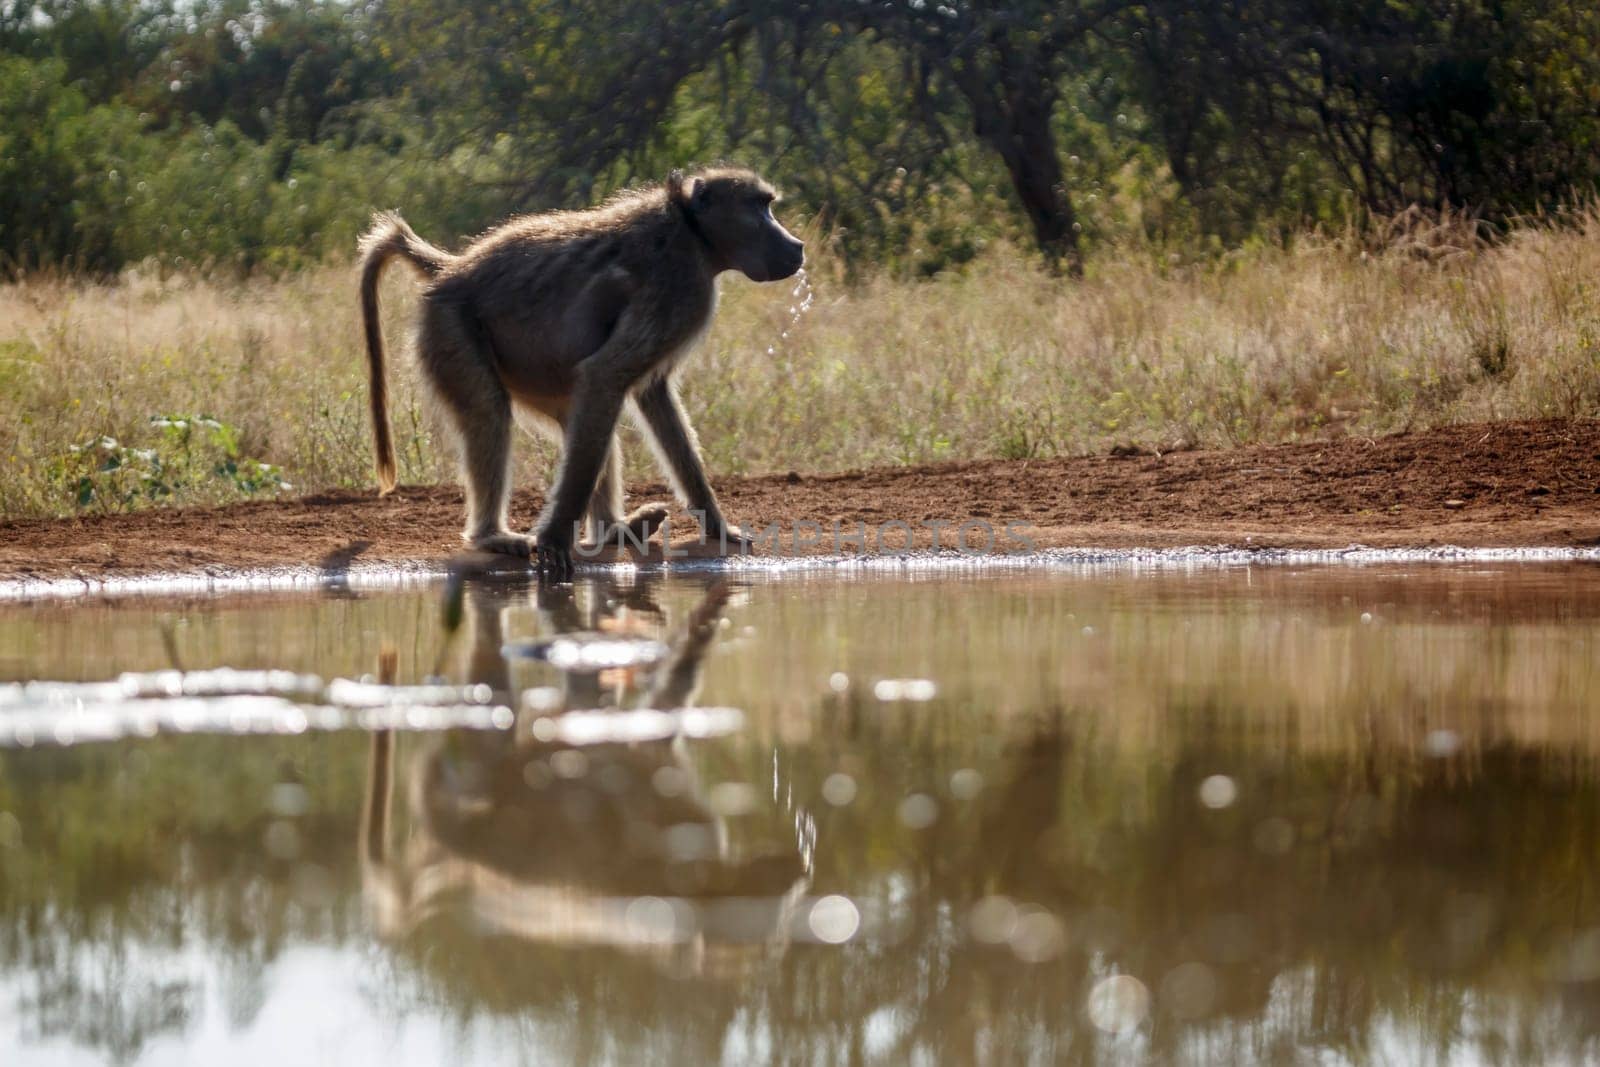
[1219, 814]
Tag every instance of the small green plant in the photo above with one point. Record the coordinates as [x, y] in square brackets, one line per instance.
[1016, 441]
[194, 455]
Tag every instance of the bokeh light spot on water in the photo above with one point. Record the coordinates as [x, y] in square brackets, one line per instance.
[729, 799]
[839, 789]
[653, 920]
[838, 681]
[1037, 936]
[919, 811]
[834, 919]
[542, 698]
[966, 784]
[569, 763]
[587, 653]
[992, 920]
[915, 690]
[1118, 1004]
[1442, 744]
[1218, 791]
[689, 841]
[669, 781]
[605, 725]
[288, 799]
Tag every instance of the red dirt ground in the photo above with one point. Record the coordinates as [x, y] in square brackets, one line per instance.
[1509, 484]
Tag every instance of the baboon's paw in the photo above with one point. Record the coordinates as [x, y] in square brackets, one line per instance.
[554, 561]
[506, 544]
[645, 520]
[736, 539]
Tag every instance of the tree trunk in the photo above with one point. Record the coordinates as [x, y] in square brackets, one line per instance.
[1035, 170]
[1014, 120]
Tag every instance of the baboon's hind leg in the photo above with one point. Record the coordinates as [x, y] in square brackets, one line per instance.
[605, 507]
[463, 376]
[605, 504]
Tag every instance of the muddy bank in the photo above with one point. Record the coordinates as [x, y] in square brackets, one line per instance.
[1511, 484]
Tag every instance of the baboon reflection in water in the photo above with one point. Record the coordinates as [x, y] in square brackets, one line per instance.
[609, 843]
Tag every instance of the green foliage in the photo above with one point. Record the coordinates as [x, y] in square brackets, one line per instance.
[55, 206]
[193, 456]
[1296, 111]
[251, 134]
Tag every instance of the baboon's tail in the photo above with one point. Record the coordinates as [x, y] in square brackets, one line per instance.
[389, 237]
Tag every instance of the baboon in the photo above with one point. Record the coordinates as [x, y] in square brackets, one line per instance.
[565, 316]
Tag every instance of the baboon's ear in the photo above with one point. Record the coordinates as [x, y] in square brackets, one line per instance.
[681, 189]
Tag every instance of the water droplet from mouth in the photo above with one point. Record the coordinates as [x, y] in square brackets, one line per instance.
[804, 296]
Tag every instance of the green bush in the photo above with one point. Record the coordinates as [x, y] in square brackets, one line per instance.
[57, 183]
[195, 457]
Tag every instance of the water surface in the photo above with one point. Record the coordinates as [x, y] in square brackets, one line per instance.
[1226, 814]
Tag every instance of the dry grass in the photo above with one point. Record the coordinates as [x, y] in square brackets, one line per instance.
[1329, 337]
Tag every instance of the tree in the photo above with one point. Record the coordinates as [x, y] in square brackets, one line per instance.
[1003, 61]
[1007, 60]
[1491, 106]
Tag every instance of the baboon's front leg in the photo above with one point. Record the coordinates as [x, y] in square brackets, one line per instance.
[679, 452]
[586, 446]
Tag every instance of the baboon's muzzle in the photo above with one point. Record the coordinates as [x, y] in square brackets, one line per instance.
[787, 258]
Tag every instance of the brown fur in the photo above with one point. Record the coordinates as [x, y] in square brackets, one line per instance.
[389, 237]
[566, 316]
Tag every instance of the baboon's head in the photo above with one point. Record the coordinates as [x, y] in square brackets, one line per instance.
[732, 211]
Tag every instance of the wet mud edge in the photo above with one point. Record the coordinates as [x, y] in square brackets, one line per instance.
[1498, 491]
